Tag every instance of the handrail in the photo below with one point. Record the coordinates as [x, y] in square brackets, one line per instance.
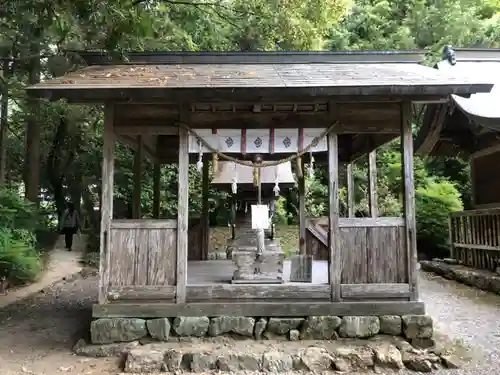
[477, 212]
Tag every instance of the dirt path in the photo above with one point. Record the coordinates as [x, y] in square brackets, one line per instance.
[62, 264]
[38, 333]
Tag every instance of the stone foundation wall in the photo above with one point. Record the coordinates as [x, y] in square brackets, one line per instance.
[449, 269]
[417, 329]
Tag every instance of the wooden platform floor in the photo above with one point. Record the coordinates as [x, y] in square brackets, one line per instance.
[221, 272]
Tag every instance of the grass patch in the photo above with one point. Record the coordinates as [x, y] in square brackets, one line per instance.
[288, 235]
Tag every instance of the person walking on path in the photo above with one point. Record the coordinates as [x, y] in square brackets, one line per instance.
[69, 225]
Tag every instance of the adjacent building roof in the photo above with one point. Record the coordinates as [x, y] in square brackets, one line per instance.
[190, 77]
[478, 114]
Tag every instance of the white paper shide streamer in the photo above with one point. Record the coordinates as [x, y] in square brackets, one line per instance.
[199, 163]
[234, 184]
[311, 165]
[276, 187]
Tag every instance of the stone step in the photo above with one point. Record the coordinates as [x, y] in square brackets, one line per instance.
[228, 355]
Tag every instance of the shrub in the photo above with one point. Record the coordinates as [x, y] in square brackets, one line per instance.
[434, 204]
[19, 221]
[19, 260]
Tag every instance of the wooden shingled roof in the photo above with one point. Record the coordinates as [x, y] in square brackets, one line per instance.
[467, 122]
[216, 80]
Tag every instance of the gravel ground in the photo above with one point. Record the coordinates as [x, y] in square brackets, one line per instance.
[38, 333]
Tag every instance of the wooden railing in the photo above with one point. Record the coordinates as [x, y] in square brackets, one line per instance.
[475, 238]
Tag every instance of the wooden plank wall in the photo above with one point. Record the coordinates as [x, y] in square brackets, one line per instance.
[373, 255]
[142, 253]
[373, 249]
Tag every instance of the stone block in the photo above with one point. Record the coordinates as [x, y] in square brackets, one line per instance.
[196, 326]
[260, 327]
[103, 350]
[320, 328]
[110, 330]
[159, 328]
[141, 360]
[391, 325]
[274, 361]
[173, 360]
[417, 326]
[200, 362]
[388, 356]
[232, 362]
[359, 326]
[316, 359]
[240, 325]
[281, 326]
[294, 335]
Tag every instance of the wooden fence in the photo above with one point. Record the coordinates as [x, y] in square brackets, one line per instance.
[475, 238]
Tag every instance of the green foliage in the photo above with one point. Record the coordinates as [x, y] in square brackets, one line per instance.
[19, 219]
[282, 216]
[434, 204]
[19, 261]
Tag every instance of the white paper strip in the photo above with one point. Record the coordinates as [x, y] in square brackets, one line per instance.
[310, 134]
[286, 140]
[260, 216]
[257, 141]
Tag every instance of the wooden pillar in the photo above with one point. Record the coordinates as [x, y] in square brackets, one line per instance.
[409, 197]
[156, 190]
[335, 264]
[372, 184]
[182, 216]
[302, 211]
[205, 220]
[136, 193]
[351, 205]
[106, 201]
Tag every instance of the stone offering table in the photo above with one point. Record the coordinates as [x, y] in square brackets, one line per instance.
[253, 266]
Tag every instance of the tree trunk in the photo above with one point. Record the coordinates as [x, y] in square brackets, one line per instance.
[32, 163]
[4, 118]
[54, 166]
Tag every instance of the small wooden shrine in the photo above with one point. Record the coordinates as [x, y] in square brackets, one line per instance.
[172, 107]
[470, 127]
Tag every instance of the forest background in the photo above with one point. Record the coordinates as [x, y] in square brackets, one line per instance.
[52, 152]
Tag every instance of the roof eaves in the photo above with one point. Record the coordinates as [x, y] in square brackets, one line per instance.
[269, 57]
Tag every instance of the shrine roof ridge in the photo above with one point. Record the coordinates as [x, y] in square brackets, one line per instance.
[262, 57]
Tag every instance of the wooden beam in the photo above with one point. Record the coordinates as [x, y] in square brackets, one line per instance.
[143, 224]
[372, 184]
[205, 222]
[153, 309]
[108, 163]
[351, 208]
[409, 197]
[302, 210]
[369, 222]
[374, 291]
[142, 293]
[335, 258]
[137, 180]
[207, 293]
[156, 190]
[182, 217]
